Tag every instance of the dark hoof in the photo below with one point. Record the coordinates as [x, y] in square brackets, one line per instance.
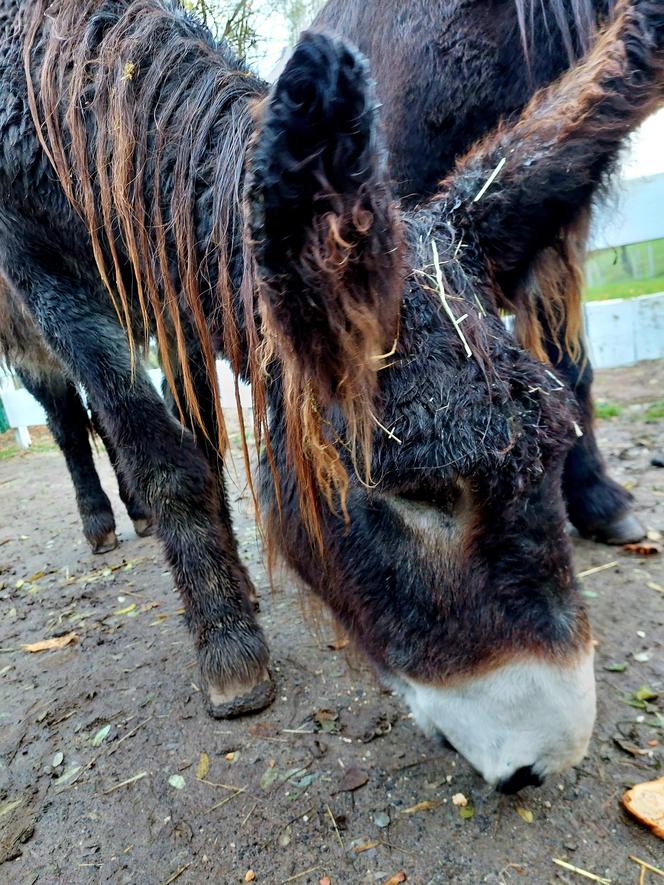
[106, 544]
[657, 460]
[626, 530]
[145, 527]
[236, 700]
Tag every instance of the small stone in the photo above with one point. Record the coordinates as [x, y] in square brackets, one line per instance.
[58, 759]
[382, 819]
[459, 799]
[249, 876]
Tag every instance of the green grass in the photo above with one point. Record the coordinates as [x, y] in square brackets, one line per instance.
[647, 260]
[607, 410]
[625, 289]
[655, 411]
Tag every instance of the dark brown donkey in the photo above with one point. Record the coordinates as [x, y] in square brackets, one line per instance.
[446, 72]
[412, 450]
[25, 351]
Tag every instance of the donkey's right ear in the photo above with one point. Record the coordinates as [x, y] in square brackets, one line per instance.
[326, 232]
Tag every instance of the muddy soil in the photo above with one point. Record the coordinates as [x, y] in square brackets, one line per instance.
[110, 770]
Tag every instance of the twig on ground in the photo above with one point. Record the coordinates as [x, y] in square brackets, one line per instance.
[597, 568]
[299, 875]
[334, 824]
[580, 872]
[178, 873]
[646, 866]
[130, 780]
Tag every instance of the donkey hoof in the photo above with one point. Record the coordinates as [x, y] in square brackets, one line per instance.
[145, 527]
[106, 543]
[237, 700]
[626, 530]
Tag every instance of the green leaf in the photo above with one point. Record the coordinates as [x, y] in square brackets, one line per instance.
[645, 694]
[616, 668]
[101, 736]
[467, 812]
[269, 777]
[177, 781]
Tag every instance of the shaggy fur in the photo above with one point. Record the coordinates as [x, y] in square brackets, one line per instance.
[447, 73]
[456, 558]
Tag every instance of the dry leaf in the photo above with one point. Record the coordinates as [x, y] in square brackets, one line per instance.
[525, 814]
[646, 802]
[396, 879]
[48, 644]
[427, 805]
[125, 610]
[367, 846]
[353, 779]
[642, 549]
[263, 729]
[249, 876]
[203, 766]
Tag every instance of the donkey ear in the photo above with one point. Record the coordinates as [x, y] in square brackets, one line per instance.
[326, 233]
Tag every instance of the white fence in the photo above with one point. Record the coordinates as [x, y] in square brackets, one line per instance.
[619, 333]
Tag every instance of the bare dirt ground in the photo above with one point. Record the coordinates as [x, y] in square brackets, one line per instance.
[110, 771]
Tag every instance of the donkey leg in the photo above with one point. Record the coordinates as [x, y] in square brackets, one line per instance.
[69, 423]
[597, 506]
[144, 523]
[171, 475]
[206, 438]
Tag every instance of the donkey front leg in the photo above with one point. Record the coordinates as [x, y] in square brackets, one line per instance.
[69, 423]
[597, 506]
[207, 438]
[172, 476]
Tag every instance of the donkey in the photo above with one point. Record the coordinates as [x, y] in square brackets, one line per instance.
[411, 449]
[23, 348]
[446, 72]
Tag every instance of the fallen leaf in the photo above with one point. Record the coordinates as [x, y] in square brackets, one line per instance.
[353, 779]
[381, 819]
[615, 668]
[653, 586]
[177, 781]
[427, 805]
[58, 759]
[642, 549]
[645, 694]
[203, 766]
[366, 846]
[396, 879]
[48, 644]
[101, 736]
[630, 748]
[125, 610]
[525, 814]
[249, 876]
[459, 799]
[646, 803]
[338, 644]
[467, 812]
[270, 775]
[263, 729]
[327, 721]
[8, 807]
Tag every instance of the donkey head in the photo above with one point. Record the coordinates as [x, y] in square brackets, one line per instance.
[446, 560]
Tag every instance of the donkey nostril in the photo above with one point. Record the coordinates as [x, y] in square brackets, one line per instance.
[522, 777]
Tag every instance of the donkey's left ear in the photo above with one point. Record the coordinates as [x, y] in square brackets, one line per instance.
[327, 235]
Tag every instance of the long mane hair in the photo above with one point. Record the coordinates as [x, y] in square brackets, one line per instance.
[141, 111]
